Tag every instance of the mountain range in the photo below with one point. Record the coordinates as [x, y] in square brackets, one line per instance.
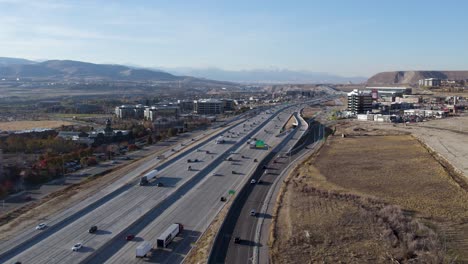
[77, 70]
[265, 75]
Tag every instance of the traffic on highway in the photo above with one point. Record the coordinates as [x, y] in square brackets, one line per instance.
[159, 211]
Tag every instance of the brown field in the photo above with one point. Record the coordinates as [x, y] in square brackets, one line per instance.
[26, 125]
[358, 184]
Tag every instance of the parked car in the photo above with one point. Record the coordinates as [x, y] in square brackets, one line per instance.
[41, 226]
[93, 229]
[77, 246]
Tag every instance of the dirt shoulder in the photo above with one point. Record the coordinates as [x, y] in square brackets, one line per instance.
[371, 198]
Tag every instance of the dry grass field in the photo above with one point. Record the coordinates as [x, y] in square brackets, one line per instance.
[27, 125]
[344, 206]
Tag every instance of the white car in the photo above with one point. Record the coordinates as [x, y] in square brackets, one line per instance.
[41, 226]
[77, 246]
[253, 181]
[252, 212]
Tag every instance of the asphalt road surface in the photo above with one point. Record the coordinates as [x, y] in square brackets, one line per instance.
[240, 223]
[198, 208]
[123, 205]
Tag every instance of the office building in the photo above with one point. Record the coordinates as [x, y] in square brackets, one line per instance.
[162, 111]
[359, 102]
[209, 107]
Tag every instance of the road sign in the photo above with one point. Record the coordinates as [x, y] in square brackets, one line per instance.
[232, 192]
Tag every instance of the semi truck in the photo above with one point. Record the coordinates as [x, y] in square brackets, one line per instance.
[143, 249]
[167, 236]
[145, 179]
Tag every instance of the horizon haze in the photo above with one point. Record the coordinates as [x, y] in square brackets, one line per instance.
[347, 39]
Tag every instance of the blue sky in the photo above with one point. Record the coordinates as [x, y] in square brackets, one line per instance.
[347, 37]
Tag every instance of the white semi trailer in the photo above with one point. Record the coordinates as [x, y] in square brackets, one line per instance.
[143, 249]
[145, 179]
[167, 236]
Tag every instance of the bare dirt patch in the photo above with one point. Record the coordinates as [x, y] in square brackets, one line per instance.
[343, 205]
[27, 125]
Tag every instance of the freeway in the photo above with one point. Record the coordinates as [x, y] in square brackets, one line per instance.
[250, 228]
[199, 206]
[119, 206]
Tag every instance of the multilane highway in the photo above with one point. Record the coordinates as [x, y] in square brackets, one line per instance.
[200, 205]
[253, 231]
[120, 206]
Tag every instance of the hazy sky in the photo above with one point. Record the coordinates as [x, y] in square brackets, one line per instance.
[347, 37]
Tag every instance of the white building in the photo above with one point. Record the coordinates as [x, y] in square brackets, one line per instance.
[430, 82]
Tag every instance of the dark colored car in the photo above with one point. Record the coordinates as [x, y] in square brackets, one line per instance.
[223, 199]
[255, 160]
[159, 184]
[28, 198]
[129, 237]
[237, 240]
[92, 229]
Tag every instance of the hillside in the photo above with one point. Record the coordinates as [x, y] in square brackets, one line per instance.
[14, 61]
[77, 70]
[412, 77]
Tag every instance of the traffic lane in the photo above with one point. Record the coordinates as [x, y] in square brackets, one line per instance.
[79, 213]
[197, 178]
[75, 216]
[204, 194]
[209, 199]
[245, 227]
[121, 215]
[239, 209]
